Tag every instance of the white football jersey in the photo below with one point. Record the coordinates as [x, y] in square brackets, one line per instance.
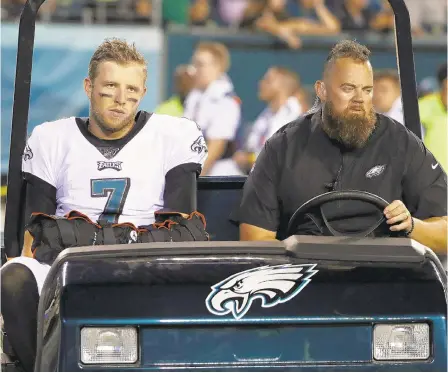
[120, 180]
[268, 122]
[217, 110]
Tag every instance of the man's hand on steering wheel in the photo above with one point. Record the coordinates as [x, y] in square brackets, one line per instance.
[397, 212]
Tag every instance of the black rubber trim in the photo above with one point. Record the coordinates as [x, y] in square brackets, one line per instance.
[218, 182]
[362, 249]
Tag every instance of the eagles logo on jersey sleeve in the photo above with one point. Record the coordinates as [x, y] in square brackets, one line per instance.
[187, 143]
[36, 160]
[199, 146]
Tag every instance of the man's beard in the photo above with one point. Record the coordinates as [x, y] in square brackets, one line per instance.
[349, 128]
[105, 124]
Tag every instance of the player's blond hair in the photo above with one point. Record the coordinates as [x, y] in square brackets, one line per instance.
[219, 52]
[115, 50]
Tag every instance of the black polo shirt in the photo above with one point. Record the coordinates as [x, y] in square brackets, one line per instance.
[300, 162]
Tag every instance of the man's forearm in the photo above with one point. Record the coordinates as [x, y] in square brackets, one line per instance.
[327, 18]
[250, 232]
[27, 244]
[432, 233]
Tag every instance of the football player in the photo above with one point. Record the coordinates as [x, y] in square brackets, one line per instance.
[119, 165]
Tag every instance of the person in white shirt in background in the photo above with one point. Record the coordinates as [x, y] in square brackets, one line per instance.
[278, 88]
[214, 106]
[387, 94]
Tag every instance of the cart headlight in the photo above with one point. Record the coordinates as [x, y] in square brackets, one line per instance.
[109, 345]
[401, 342]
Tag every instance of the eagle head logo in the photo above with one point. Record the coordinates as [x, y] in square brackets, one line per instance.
[271, 284]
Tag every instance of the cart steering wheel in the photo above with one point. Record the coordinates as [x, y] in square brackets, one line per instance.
[352, 195]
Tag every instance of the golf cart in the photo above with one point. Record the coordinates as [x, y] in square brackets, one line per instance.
[336, 303]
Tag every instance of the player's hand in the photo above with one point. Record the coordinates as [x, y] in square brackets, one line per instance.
[398, 216]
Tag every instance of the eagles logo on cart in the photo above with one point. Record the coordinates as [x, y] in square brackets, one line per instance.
[271, 284]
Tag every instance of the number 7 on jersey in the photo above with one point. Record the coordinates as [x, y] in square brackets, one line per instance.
[116, 191]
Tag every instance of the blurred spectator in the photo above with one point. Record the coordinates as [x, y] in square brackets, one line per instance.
[357, 15]
[427, 16]
[194, 12]
[213, 105]
[183, 84]
[271, 16]
[278, 89]
[199, 12]
[286, 19]
[315, 19]
[11, 9]
[176, 11]
[384, 19]
[143, 9]
[433, 115]
[231, 12]
[427, 86]
[257, 8]
[317, 12]
[387, 94]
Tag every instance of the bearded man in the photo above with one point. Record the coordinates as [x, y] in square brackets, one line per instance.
[343, 144]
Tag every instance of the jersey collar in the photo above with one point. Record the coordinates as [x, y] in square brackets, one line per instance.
[110, 148]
